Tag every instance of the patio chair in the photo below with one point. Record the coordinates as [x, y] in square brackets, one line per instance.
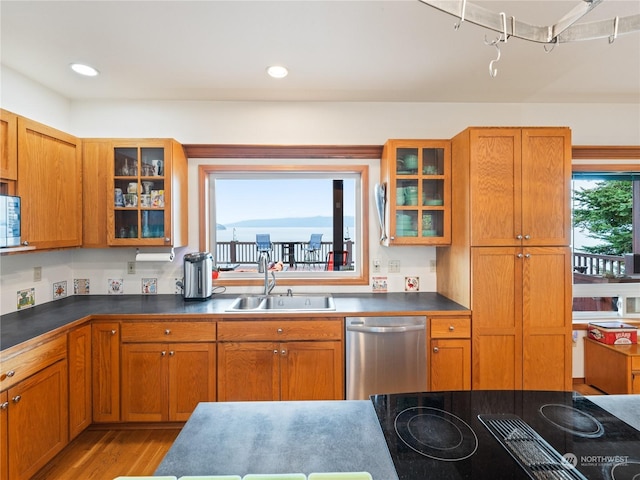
[312, 248]
[330, 263]
[263, 242]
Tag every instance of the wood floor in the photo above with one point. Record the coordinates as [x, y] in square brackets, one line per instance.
[106, 454]
[99, 454]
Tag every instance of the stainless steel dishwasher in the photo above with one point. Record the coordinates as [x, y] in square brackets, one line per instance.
[385, 355]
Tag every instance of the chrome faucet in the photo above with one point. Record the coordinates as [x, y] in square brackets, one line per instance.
[263, 267]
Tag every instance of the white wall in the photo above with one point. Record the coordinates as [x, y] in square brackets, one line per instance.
[268, 123]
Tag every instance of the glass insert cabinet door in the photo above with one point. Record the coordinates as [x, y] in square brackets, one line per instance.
[139, 196]
[418, 178]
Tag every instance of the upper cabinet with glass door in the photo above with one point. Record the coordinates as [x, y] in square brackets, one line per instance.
[149, 185]
[417, 176]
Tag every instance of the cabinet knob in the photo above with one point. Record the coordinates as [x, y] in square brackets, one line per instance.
[451, 328]
[25, 243]
[172, 353]
[527, 255]
[518, 237]
[279, 330]
[4, 405]
[527, 237]
[11, 373]
[275, 352]
[283, 352]
[113, 332]
[436, 349]
[17, 398]
[167, 332]
[163, 353]
[519, 255]
[167, 239]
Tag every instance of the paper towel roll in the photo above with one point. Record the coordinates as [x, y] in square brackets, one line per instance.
[155, 257]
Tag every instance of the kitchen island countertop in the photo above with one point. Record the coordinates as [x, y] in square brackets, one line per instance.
[24, 325]
[238, 438]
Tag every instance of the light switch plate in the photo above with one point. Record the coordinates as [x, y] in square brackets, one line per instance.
[394, 266]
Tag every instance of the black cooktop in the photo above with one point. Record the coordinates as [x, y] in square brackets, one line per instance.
[506, 435]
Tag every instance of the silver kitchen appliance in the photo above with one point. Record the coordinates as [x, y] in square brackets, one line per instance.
[385, 355]
[198, 279]
[9, 221]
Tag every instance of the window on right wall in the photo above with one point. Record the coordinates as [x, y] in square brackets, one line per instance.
[605, 239]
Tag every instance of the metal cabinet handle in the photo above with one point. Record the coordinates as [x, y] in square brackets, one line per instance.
[275, 352]
[451, 328]
[11, 373]
[527, 255]
[279, 330]
[172, 353]
[167, 332]
[527, 237]
[519, 255]
[518, 237]
[16, 399]
[4, 405]
[163, 353]
[436, 349]
[283, 352]
[25, 243]
[113, 332]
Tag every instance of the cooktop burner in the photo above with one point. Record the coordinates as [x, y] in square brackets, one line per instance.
[628, 470]
[436, 434]
[571, 420]
[447, 436]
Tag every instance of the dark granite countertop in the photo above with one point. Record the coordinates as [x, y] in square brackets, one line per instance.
[238, 438]
[24, 325]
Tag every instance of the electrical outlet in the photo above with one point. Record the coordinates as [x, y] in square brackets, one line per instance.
[131, 268]
[376, 266]
[394, 266]
[37, 274]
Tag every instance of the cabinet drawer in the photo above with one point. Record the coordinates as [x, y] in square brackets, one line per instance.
[635, 363]
[168, 332]
[276, 330]
[450, 327]
[26, 364]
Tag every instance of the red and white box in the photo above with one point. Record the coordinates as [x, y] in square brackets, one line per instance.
[613, 333]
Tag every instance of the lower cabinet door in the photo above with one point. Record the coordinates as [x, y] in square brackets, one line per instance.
[192, 377]
[311, 371]
[144, 379]
[79, 361]
[4, 436]
[248, 371]
[450, 362]
[38, 420]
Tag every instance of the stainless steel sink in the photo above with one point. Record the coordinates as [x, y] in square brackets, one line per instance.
[286, 303]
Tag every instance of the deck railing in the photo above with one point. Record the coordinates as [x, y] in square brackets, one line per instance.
[289, 253]
[590, 264]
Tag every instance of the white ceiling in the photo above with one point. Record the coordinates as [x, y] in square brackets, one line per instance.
[360, 50]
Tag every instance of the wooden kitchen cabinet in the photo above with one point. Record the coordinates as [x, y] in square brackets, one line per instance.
[8, 151]
[167, 369]
[105, 366]
[37, 420]
[96, 194]
[518, 185]
[280, 360]
[79, 363]
[614, 369]
[50, 186]
[147, 194]
[509, 259]
[449, 357]
[418, 192]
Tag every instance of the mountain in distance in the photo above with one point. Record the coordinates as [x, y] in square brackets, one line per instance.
[318, 221]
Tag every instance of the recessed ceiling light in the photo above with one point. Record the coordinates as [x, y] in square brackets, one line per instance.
[277, 71]
[85, 70]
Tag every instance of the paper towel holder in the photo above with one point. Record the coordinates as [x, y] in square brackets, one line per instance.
[155, 257]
